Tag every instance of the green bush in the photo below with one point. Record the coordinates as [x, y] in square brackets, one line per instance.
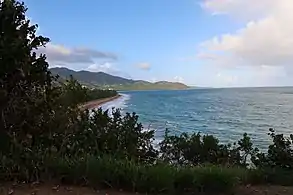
[196, 149]
[279, 154]
[215, 179]
[93, 94]
[72, 93]
[126, 174]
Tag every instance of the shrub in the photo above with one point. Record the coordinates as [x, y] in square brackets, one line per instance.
[118, 173]
[279, 154]
[93, 94]
[195, 149]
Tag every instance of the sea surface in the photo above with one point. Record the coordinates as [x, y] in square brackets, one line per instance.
[225, 113]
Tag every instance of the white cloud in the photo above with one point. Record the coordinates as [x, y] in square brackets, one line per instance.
[60, 55]
[144, 66]
[263, 41]
[81, 58]
[264, 45]
[178, 79]
[241, 8]
[105, 67]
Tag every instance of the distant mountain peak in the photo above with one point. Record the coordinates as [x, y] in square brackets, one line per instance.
[101, 79]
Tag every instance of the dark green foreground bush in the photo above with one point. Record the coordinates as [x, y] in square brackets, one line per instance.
[163, 178]
[125, 174]
[110, 172]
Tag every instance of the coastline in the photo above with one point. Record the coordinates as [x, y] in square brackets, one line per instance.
[96, 103]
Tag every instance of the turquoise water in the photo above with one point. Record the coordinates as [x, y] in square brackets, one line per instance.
[225, 113]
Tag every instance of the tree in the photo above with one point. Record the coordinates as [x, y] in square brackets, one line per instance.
[25, 81]
[73, 93]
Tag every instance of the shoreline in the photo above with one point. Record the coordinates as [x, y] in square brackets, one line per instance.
[96, 103]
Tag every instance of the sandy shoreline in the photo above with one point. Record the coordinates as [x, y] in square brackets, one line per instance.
[96, 103]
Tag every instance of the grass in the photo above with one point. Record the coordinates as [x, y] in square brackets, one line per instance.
[111, 172]
[124, 174]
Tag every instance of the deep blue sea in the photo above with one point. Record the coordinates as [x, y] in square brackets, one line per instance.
[225, 113]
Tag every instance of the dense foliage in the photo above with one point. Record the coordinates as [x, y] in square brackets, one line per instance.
[91, 78]
[94, 94]
[73, 93]
[45, 135]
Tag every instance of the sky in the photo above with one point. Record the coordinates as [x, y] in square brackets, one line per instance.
[207, 43]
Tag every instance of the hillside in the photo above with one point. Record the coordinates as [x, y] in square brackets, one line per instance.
[104, 80]
[163, 85]
[91, 78]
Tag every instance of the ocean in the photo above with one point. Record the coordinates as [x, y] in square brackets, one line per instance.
[224, 113]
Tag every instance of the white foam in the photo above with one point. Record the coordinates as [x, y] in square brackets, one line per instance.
[157, 139]
[120, 103]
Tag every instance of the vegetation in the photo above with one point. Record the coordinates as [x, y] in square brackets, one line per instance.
[106, 81]
[72, 93]
[45, 136]
[91, 78]
[143, 85]
[94, 94]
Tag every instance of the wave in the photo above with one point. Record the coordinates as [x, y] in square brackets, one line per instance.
[120, 103]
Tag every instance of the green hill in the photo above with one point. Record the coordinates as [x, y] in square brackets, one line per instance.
[104, 80]
[91, 78]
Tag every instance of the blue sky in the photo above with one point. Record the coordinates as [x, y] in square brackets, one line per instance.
[198, 42]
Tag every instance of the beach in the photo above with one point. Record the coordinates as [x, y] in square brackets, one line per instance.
[96, 103]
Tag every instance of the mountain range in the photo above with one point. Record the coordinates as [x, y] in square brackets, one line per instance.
[107, 81]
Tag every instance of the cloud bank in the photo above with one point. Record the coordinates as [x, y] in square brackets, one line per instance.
[264, 43]
[61, 55]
